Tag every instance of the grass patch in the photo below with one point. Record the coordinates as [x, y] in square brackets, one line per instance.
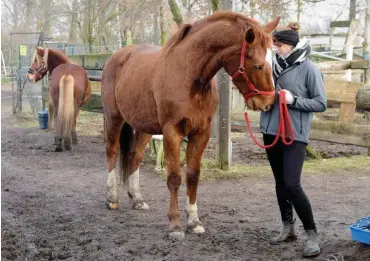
[211, 172]
[334, 164]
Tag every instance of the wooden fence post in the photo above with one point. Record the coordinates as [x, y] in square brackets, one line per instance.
[224, 119]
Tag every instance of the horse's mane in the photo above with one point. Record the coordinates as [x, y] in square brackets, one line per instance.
[55, 53]
[240, 20]
[60, 55]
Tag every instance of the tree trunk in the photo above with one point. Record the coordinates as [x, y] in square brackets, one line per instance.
[73, 28]
[253, 4]
[156, 28]
[352, 10]
[176, 12]
[120, 37]
[363, 99]
[46, 5]
[161, 24]
[128, 37]
[215, 5]
[299, 9]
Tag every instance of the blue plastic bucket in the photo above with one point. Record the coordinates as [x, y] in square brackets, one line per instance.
[43, 119]
[361, 230]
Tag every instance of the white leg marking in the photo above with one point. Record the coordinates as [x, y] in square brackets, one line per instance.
[134, 190]
[112, 186]
[193, 220]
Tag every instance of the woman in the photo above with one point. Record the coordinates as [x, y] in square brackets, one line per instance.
[303, 85]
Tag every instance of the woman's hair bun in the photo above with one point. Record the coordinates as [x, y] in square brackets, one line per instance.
[294, 25]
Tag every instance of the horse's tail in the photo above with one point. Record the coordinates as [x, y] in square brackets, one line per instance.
[125, 143]
[66, 106]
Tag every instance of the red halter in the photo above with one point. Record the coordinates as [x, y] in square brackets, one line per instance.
[285, 127]
[252, 90]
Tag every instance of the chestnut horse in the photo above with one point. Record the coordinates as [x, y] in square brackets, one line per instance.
[69, 89]
[147, 90]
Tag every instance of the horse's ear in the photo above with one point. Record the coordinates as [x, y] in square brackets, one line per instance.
[250, 36]
[183, 30]
[40, 51]
[271, 26]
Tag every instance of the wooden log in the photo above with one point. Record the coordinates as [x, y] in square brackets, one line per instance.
[334, 65]
[346, 112]
[331, 131]
[360, 64]
[363, 99]
[345, 23]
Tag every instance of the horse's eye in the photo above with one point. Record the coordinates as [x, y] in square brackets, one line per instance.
[258, 67]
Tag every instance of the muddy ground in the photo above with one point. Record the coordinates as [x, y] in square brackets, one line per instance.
[53, 205]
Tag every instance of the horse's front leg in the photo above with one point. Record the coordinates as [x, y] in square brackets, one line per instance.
[194, 151]
[171, 141]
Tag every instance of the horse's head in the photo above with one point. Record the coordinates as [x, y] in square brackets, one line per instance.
[39, 66]
[250, 70]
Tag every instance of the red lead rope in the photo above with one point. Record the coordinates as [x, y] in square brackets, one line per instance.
[285, 125]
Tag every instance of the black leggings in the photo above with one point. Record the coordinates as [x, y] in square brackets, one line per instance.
[286, 163]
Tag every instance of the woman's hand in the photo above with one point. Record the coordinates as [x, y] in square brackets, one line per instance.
[288, 97]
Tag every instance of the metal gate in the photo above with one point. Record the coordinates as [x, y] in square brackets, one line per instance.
[28, 98]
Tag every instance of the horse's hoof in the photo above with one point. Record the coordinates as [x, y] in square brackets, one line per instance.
[140, 205]
[112, 205]
[178, 235]
[57, 149]
[198, 229]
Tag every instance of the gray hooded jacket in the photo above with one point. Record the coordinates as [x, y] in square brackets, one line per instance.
[305, 82]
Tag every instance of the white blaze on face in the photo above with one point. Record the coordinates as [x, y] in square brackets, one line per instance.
[269, 55]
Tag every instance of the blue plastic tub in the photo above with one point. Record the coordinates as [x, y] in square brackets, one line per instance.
[43, 119]
[361, 230]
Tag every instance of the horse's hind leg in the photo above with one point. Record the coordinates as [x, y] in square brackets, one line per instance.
[113, 125]
[140, 142]
[74, 133]
[57, 140]
[51, 112]
[195, 148]
[67, 143]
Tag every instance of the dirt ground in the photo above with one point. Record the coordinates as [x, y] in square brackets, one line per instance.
[53, 205]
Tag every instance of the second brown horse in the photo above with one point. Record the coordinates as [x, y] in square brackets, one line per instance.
[69, 89]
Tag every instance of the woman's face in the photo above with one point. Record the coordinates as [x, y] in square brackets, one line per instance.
[282, 49]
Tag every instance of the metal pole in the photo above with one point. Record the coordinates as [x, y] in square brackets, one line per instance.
[12, 72]
[366, 42]
[43, 87]
[19, 78]
[366, 51]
